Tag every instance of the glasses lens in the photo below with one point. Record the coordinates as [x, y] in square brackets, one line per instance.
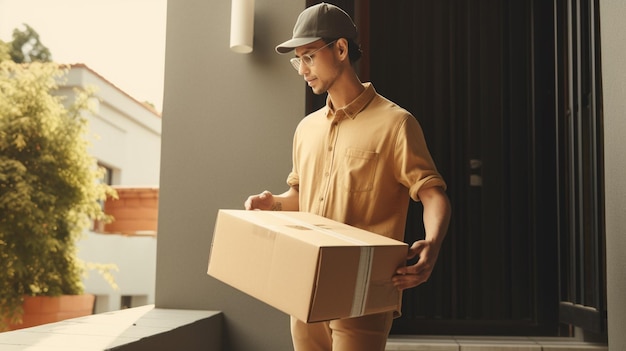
[295, 62]
[308, 59]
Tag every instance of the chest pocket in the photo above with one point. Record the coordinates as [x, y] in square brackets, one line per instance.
[359, 168]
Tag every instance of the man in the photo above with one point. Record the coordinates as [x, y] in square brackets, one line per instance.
[358, 160]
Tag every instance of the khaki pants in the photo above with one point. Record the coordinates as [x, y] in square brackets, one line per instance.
[367, 333]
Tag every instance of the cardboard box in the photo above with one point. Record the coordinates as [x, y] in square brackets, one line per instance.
[305, 265]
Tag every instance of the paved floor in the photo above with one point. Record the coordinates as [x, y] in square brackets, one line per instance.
[114, 329]
[486, 343]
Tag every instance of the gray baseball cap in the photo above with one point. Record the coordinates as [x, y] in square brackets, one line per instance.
[319, 21]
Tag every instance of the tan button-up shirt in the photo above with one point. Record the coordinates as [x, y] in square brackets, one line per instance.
[360, 164]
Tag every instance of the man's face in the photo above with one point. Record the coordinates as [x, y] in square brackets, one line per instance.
[322, 69]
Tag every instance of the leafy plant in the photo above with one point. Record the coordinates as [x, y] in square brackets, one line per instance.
[27, 47]
[49, 186]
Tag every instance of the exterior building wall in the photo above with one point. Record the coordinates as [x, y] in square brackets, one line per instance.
[228, 123]
[125, 136]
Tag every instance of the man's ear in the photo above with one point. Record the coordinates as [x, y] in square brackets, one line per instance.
[342, 47]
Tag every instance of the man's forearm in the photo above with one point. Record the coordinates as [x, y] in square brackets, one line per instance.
[287, 201]
[437, 212]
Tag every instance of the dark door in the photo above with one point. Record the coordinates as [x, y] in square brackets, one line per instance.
[467, 70]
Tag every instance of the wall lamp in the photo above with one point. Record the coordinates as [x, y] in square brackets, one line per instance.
[242, 26]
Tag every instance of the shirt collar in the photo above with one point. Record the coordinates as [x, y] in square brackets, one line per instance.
[357, 105]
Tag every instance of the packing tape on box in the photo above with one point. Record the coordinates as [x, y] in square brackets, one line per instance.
[366, 259]
[362, 281]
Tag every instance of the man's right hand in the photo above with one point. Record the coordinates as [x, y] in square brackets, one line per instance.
[263, 201]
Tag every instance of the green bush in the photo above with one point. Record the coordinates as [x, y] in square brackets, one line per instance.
[49, 185]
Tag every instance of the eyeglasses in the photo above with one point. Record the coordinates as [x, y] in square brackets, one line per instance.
[307, 59]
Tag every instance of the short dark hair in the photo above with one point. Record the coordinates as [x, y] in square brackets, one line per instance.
[354, 49]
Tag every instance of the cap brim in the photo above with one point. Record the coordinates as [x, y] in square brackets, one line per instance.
[291, 44]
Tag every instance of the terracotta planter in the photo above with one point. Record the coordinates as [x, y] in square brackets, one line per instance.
[135, 212]
[46, 309]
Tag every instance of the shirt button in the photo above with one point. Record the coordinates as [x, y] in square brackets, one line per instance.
[321, 199]
[330, 148]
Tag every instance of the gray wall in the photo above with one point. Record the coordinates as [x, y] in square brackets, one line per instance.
[228, 122]
[613, 32]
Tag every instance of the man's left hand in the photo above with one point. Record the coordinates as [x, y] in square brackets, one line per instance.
[412, 276]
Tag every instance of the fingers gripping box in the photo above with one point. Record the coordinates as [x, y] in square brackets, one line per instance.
[305, 265]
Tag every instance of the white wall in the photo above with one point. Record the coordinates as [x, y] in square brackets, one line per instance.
[613, 41]
[125, 136]
[135, 257]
